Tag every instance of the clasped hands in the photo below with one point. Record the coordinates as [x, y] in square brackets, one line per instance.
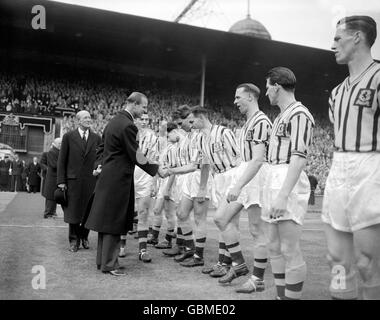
[163, 172]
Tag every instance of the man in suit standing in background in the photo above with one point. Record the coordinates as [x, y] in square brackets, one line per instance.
[17, 169]
[51, 178]
[75, 165]
[43, 164]
[34, 176]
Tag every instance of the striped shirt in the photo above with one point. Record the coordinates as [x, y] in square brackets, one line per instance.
[255, 131]
[355, 111]
[168, 158]
[292, 133]
[160, 146]
[147, 143]
[220, 149]
[188, 148]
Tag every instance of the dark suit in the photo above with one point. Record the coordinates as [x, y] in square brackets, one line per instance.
[17, 171]
[51, 181]
[113, 205]
[75, 165]
[34, 177]
[4, 175]
[43, 164]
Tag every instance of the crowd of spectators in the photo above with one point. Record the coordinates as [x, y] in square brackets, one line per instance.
[62, 96]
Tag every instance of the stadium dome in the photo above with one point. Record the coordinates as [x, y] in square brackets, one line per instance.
[251, 28]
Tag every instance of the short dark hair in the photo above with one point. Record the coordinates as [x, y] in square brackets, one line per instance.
[364, 24]
[171, 126]
[136, 97]
[250, 88]
[282, 76]
[198, 110]
[183, 111]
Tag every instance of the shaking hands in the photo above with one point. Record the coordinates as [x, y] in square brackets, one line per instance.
[163, 172]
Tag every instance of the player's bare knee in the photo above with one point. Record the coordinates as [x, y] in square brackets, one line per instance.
[334, 261]
[366, 267]
[290, 252]
[274, 248]
[254, 231]
[220, 223]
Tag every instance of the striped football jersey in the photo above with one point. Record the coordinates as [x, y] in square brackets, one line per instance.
[292, 134]
[220, 149]
[147, 143]
[355, 111]
[255, 131]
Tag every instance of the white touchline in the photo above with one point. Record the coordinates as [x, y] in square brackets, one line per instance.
[28, 226]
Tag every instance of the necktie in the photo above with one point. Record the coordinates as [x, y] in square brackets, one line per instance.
[84, 139]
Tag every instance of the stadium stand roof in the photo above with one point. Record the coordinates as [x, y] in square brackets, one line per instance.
[140, 44]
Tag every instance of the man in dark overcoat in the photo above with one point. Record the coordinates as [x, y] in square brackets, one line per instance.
[17, 170]
[34, 176]
[43, 164]
[75, 165]
[4, 174]
[51, 178]
[112, 210]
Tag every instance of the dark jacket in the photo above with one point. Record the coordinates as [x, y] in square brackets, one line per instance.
[43, 164]
[17, 168]
[113, 204]
[4, 172]
[75, 166]
[51, 174]
[17, 172]
[33, 172]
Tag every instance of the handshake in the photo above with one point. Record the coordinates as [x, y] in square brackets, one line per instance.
[163, 172]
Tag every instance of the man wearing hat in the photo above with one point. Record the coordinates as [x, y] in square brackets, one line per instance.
[75, 165]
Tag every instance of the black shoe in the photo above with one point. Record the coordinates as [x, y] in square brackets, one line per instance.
[144, 256]
[220, 271]
[187, 254]
[233, 273]
[116, 272]
[85, 244]
[195, 262]
[164, 245]
[153, 241]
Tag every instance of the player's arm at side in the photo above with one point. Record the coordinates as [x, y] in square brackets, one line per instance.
[253, 166]
[296, 165]
[301, 136]
[169, 185]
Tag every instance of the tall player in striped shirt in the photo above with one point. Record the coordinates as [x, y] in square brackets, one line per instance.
[351, 206]
[286, 187]
[220, 153]
[244, 192]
